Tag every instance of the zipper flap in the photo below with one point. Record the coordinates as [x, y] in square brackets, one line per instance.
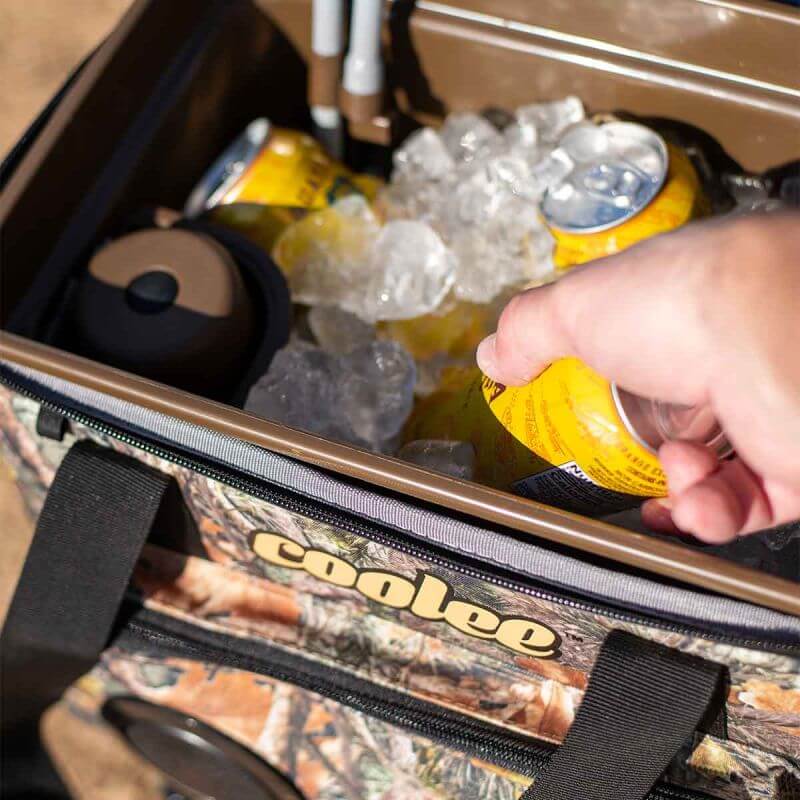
[433, 536]
[151, 633]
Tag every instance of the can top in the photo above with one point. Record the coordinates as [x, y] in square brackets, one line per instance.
[223, 174]
[619, 167]
[653, 422]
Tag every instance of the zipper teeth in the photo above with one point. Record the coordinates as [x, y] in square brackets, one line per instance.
[313, 511]
[484, 739]
[419, 715]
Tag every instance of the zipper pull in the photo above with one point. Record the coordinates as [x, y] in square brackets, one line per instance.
[51, 424]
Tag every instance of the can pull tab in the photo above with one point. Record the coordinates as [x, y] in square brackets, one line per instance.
[653, 422]
[618, 183]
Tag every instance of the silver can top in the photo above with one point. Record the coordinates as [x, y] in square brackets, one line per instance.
[223, 174]
[619, 167]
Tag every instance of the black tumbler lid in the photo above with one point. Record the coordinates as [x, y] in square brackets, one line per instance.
[195, 305]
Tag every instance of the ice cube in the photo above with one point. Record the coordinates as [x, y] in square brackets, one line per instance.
[548, 120]
[540, 268]
[298, 390]
[410, 272]
[548, 173]
[492, 225]
[511, 172]
[441, 455]
[585, 142]
[423, 155]
[376, 391]
[486, 270]
[354, 206]
[508, 171]
[510, 250]
[406, 198]
[521, 137]
[470, 136]
[325, 254]
[362, 398]
[473, 202]
[338, 331]
[482, 271]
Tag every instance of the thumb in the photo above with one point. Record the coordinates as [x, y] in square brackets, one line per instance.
[628, 316]
[509, 356]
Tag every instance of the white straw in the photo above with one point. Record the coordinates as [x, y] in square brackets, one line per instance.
[327, 39]
[363, 67]
[327, 27]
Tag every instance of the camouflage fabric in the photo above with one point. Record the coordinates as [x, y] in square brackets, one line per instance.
[329, 751]
[274, 594]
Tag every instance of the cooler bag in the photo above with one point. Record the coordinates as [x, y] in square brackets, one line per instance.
[259, 612]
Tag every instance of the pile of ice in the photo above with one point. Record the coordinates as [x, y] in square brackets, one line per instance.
[361, 397]
[400, 270]
[479, 188]
[460, 220]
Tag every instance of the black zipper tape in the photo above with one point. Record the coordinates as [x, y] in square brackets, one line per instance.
[320, 512]
[151, 633]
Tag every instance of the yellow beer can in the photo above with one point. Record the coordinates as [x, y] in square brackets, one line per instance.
[276, 167]
[269, 178]
[569, 438]
[572, 418]
[627, 184]
[562, 440]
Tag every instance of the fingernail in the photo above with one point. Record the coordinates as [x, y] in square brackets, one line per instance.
[486, 356]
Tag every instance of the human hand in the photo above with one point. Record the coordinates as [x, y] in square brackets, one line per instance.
[708, 314]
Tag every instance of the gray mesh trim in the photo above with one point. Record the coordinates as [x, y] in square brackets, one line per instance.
[522, 558]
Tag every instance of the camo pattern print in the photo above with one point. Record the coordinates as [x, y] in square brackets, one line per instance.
[327, 750]
[231, 589]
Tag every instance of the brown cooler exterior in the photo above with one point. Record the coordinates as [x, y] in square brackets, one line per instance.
[353, 626]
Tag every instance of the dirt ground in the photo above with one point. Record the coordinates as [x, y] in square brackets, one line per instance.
[42, 42]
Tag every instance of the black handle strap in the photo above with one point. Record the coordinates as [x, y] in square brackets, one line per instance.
[643, 702]
[97, 515]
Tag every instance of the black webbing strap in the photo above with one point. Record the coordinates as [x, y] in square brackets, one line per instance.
[643, 702]
[95, 520]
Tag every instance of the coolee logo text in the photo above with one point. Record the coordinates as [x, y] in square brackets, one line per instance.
[427, 597]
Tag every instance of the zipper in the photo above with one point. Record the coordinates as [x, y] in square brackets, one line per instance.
[152, 633]
[290, 501]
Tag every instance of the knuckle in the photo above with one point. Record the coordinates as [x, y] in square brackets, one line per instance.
[509, 324]
[560, 318]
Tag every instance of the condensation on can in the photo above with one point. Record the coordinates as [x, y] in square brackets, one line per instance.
[679, 200]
